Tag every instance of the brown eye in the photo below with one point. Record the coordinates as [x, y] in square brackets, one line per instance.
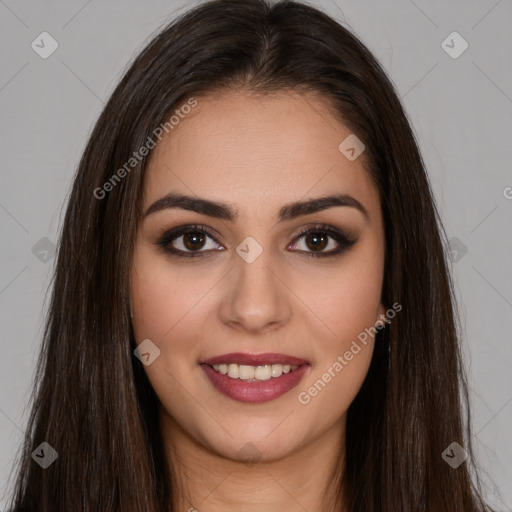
[194, 240]
[188, 241]
[317, 241]
[319, 238]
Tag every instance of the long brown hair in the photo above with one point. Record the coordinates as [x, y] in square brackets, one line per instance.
[92, 401]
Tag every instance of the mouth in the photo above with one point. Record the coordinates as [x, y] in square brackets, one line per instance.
[254, 378]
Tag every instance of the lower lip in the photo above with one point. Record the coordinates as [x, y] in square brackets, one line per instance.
[255, 392]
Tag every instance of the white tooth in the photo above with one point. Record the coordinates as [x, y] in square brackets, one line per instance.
[245, 372]
[277, 370]
[263, 372]
[233, 371]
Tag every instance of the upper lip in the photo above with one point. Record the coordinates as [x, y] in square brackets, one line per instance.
[255, 359]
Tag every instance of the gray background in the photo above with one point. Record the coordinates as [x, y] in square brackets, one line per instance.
[460, 109]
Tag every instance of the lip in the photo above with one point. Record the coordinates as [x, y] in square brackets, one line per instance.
[255, 359]
[255, 392]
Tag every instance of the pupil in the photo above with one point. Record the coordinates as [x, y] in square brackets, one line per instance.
[316, 244]
[194, 240]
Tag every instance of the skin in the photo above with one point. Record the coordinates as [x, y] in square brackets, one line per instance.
[257, 154]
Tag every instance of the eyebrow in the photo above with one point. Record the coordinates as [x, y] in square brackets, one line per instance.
[224, 211]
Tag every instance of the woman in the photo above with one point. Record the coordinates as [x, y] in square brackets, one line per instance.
[252, 308]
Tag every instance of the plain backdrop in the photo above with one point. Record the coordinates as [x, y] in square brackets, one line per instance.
[459, 102]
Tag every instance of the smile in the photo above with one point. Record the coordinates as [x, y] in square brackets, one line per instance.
[255, 378]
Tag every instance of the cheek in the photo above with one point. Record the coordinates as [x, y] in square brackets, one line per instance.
[344, 351]
[163, 311]
[163, 299]
[341, 303]
[334, 386]
[352, 308]
[346, 302]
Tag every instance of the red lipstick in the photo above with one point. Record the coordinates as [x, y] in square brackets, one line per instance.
[253, 390]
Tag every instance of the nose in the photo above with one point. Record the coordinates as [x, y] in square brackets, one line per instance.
[257, 298]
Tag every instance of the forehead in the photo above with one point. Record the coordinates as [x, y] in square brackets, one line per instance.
[241, 148]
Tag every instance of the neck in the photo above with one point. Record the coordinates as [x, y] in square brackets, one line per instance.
[204, 481]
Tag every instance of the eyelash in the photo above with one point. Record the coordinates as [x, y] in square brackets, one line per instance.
[343, 240]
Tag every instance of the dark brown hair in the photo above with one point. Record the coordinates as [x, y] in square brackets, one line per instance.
[92, 401]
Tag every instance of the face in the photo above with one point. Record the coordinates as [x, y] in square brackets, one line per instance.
[207, 282]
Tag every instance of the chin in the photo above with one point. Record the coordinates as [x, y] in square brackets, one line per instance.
[256, 449]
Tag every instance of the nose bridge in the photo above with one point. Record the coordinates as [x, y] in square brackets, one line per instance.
[257, 297]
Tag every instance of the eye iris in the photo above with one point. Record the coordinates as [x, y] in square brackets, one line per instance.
[194, 240]
[319, 241]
